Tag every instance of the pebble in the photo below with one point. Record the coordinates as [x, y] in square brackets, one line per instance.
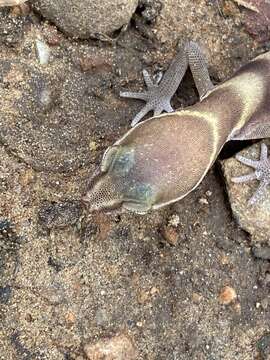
[119, 347]
[196, 298]
[265, 303]
[95, 64]
[170, 234]
[255, 219]
[21, 10]
[224, 260]
[237, 307]
[52, 36]
[70, 319]
[174, 220]
[93, 146]
[5, 294]
[227, 295]
[203, 201]
[43, 52]
[87, 18]
[261, 252]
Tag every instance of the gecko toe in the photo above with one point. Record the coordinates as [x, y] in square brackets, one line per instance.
[261, 173]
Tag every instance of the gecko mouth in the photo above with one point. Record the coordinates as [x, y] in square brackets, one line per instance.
[109, 193]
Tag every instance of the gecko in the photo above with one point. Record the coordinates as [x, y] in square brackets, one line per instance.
[162, 159]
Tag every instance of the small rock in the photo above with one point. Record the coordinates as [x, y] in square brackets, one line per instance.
[257, 305]
[261, 252]
[265, 303]
[224, 260]
[203, 201]
[196, 298]
[70, 319]
[87, 18]
[21, 10]
[174, 220]
[52, 36]
[227, 295]
[170, 235]
[224, 243]
[237, 307]
[95, 64]
[29, 318]
[145, 295]
[93, 146]
[5, 294]
[254, 219]
[43, 52]
[119, 347]
[154, 291]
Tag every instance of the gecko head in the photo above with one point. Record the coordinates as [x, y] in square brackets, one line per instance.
[117, 186]
[154, 164]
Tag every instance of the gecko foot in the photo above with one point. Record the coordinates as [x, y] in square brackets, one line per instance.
[261, 173]
[157, 97]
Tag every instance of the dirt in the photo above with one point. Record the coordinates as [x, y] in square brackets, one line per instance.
[69, 279]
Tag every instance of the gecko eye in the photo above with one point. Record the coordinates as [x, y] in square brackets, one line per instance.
[118, 160]
[123, 162]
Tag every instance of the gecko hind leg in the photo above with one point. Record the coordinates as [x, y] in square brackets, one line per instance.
[261, 173]
[161, 89]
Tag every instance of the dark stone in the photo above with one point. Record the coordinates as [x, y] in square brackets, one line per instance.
[261, 252]
[5, 294]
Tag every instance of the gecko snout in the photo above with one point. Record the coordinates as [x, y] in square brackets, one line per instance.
[103, 194]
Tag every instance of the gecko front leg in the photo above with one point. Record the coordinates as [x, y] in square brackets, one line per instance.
[160, 91]
[261, 173]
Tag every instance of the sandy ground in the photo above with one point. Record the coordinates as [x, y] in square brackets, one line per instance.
[69, 278]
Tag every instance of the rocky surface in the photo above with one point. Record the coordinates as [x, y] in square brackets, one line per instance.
[119, 347]
[69, 279]
[87, 18]
[256, 16]
[254, 219]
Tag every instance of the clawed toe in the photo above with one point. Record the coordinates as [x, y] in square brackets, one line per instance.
[261, 173]
[157, 97]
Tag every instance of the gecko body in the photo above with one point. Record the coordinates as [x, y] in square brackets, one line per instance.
[162, 159]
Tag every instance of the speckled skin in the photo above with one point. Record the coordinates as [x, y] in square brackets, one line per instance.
[164, 158]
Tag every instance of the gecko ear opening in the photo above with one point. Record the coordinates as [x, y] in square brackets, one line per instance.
[108, 158]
